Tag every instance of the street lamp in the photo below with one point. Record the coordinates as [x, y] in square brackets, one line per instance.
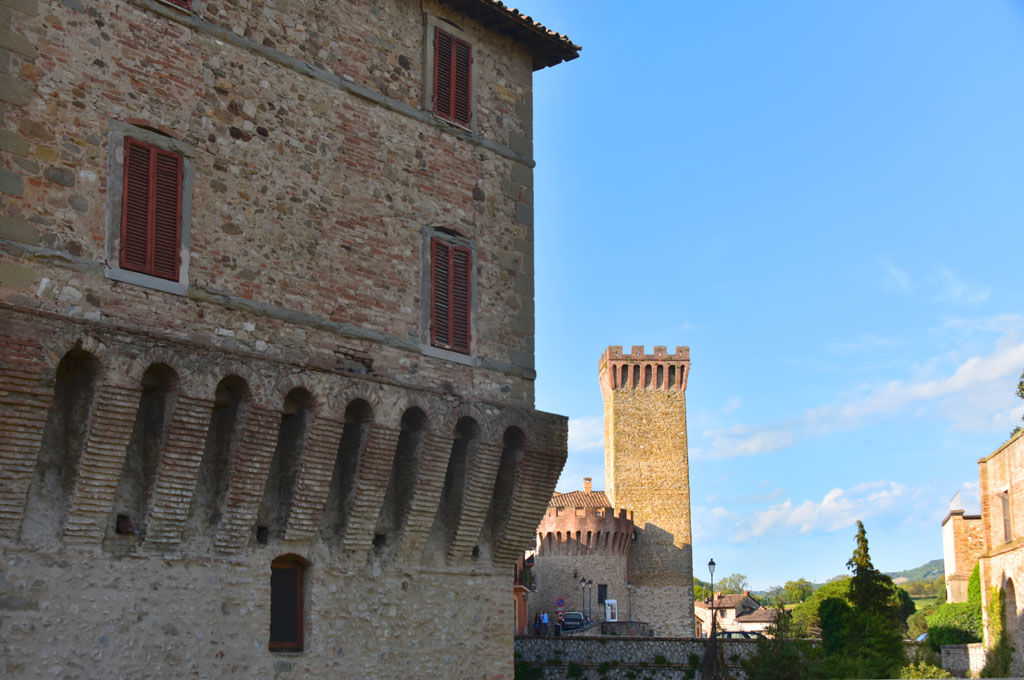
[711, 568]
[583, 602]
[629, 599]
[711, 668]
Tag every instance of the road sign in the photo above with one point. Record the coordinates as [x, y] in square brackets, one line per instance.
[560, 603]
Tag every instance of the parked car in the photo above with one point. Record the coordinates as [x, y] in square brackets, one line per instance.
[738, 635]
[573, 621]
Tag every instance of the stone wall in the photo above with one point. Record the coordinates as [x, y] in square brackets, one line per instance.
[162, 441]
[963, 542]
[643, 657]
[647, 471]
[963, 661]
[1002, 567]
[575, 543]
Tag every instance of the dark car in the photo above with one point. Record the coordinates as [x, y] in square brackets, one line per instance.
[738, 635]
[573, 621]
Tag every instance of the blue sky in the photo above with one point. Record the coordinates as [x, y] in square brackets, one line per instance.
[823, 200]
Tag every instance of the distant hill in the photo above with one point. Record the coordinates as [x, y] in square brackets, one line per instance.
[925, 571]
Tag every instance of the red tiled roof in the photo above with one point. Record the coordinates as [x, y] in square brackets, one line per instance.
[548, 47]
[579, 499]
[762, 615]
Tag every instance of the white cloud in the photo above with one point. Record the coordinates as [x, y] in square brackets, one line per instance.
[954, 289]
[838, 509]
[894, 277]
[586, 433]
[865, 342]
[977, 395]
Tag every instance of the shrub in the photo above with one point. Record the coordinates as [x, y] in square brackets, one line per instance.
[998, 658]
[923, 670]
[524, 670]
[954, 623]
[574, 670]
[660, 660]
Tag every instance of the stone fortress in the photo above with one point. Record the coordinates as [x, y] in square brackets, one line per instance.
[267, 337]
[646, 499]
[993, 539]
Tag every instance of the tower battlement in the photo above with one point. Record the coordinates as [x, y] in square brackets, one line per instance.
[640, 371]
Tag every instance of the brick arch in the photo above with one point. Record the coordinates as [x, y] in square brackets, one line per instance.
[76, 379]
[160, 387]
[297, 413]
[503, 491]
[291, 385]
[136, 369]
[208, 382]
[338, 401]
[457, 478]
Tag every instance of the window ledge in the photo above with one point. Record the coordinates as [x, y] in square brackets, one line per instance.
[448, 355]
[146, 281]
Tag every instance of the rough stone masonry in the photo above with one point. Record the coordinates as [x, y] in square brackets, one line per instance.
[225, 394]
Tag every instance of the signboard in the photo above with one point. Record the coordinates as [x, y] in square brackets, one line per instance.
[611, 610]
[560, 603]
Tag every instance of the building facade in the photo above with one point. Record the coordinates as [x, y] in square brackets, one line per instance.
[266, 336]
[581, 556]
[647, 471]
[1001, 476]
[963, 543]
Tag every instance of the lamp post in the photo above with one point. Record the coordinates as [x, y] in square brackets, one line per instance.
[711, 568]
[711, 667]
[583, 590]
[629, 599]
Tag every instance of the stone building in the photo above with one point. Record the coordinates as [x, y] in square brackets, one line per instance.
[266, 336]
[963, 543]
[733, 612]
[582, 539]
[1002, 565]
[1001, 551]
[646, 470]
[647, 478]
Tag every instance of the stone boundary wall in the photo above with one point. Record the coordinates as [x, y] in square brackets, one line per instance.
[636, 655]
[963, 661]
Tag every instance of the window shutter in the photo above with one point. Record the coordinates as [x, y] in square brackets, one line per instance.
[463, 62]
[440, 303]
[442, 73]
[151, 210]
[451, 296]
[135, 206]
[461, 266]
[166, 215]
[184, 4]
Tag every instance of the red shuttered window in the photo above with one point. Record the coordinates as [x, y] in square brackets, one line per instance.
[453, 61]
[151, 210]
[451, 280]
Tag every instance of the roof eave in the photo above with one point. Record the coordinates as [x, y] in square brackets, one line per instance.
[547, 47]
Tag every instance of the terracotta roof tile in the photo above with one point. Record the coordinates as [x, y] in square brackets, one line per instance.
[762, 615]
[548, 47]
[579, 499]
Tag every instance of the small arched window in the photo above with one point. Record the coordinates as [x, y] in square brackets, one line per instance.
[286, 603]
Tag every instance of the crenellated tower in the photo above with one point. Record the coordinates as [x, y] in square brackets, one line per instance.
[647, 471]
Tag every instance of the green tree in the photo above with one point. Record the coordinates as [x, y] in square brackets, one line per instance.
[797, 591]
[780, 656]
[736, 583]
[955, 623]
[869, 591]
[701, 590]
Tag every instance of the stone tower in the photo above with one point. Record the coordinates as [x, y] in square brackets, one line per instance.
[647, 471]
